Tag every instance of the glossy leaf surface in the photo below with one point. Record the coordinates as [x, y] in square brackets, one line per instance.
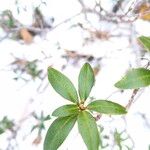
[58, 131]
[62, 85]
[88, 130]
[66, 110]
[86, 81]
[106, 107]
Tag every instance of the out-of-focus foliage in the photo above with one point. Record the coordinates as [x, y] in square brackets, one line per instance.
[119, 140]
[23, 67]
[6, 124]
[39, 126]
[145, 41]
[7, 21]
[139, 77]
[103, 138]
[134, 79]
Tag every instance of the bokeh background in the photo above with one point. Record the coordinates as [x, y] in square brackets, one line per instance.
[36, 34]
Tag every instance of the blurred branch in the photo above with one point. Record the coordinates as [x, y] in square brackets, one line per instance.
[146, 119]
[4, 37]
[66, 20]
[131, 100]
[135, 91]
[117, 6]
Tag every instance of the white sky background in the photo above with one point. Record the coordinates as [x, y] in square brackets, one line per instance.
[14, 97]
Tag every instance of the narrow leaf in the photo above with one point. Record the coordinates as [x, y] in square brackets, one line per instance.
[66, 110]
[145, 42]
[88, 130]
[58, 131]
[62, 85]
[85, 81]
[106, 107]
[134, 79]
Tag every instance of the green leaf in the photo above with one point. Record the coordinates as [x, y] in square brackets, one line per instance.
[145, 42]
[86, 81]
[58, 131]
[2, 130]
[134, 79]
[88, 130]
[107, 107]
[62, 85]
[5, 124]
[66, 110]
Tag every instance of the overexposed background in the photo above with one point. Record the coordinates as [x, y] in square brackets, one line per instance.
[114, 56]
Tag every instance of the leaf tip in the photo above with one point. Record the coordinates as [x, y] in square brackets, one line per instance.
[49, 67]
[53, 114]
[124, 111]
[117, 84]
[87, 65]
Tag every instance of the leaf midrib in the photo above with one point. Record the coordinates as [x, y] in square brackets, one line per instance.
[88, 126]
[92, 107]
[63, 86]
[70, 109]
[86, 77]
[83, 89]
[61, 128]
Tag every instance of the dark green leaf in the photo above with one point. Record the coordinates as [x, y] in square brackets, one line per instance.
[134, 79]
[86, 81]
[106, 107]
[58, 131]
[145, 41]
[62, 85]
[88, 130]
[66, 110]
[47, 118]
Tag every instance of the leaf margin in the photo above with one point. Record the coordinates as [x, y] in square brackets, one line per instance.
[84, 88]
[123, 84]
[50, 133]
[65, 93]
[95, 142]
[63, 111]
[118, 111]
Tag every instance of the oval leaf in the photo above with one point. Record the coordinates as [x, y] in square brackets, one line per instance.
[107, 107]
[62, 85]
[58, 131]
[145, 42]
[88, 130]
[85, 81]
[134, 79]
[66, 110]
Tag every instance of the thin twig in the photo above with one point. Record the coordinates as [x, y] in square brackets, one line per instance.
[131, 100]
[66, 20]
